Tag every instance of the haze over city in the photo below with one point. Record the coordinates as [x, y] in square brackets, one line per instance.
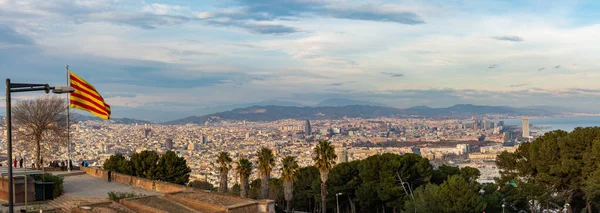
[176, 58]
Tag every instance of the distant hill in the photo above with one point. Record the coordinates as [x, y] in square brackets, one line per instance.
[462, 110]
[272, 113]
[75, 117]
[344, 102]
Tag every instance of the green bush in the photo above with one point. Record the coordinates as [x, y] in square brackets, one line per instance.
[148, 164]
[57, 180]
[118, 163]
[116, 196]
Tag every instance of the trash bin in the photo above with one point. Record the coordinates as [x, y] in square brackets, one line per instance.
[44, 190]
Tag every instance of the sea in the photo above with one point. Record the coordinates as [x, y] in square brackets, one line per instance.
[555, 123]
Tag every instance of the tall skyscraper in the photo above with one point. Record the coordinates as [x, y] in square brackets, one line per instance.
[307, 129]
[525, 125]
[169, 143]
[147, 131]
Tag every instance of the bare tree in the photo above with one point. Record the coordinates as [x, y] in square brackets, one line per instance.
[40, 121]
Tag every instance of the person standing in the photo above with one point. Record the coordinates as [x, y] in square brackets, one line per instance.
[21, 163]
[15, 163]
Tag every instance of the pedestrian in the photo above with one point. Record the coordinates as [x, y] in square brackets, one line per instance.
[21, 163]
[70, 164]
[109, 175]
[15, 163]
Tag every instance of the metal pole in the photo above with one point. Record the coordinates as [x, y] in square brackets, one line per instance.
[9, 148]
[337, 201]
[68, 126]
[25, 160]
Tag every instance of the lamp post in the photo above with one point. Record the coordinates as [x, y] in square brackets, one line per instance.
[337, 201]
[503, 205]
[21, 87]
[567, 207]
[25, 160]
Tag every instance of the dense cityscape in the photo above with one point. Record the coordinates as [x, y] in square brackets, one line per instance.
[471, 142]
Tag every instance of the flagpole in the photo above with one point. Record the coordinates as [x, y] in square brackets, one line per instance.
[68, 125]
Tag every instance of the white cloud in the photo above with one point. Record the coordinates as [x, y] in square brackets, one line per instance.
[452, 49]
[165, 9]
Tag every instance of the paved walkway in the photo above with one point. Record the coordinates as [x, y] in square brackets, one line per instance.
[90, 187]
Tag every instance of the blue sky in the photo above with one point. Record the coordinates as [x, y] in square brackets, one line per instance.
[180, 56]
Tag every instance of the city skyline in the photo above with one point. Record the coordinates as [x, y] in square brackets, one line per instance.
[180, 56]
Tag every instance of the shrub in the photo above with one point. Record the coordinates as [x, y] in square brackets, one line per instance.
[57, 180]
[116, 196]
[118, 163]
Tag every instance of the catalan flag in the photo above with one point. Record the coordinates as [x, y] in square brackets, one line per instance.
[85, 97]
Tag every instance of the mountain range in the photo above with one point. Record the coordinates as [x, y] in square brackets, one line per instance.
[76, 117]
[271, 113]
[327, 109]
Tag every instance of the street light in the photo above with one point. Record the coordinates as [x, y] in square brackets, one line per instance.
[337, 200]
[21, 87]
[26, 193]
[567, 207]
[503, 207]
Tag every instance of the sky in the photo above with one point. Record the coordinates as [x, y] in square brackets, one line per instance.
[171, 58]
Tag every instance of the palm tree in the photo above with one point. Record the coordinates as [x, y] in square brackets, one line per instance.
[288, 172]
[224, 162]
[324, 158]
[266, 162]
[244, 169]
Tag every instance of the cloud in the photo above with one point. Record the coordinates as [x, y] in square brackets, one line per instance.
[256, 27]
[518, 85]
[493, 66]
[395, 75]
[540, 69]
[142, 20]
[380, 13]
[10, 36]
[336, 90]
[118, 94]
[557, 67]
[270, 10]
[86, 11]
[165, 9]
[336, 84]
[508, 38]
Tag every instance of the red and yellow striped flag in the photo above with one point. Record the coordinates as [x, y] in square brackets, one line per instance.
[85, 97]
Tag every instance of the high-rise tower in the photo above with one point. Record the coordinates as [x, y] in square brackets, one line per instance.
[307, 129]
[525, 126]
[169, 143]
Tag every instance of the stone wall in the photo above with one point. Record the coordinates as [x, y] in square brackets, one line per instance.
[164, 187]
[143, 183]
[139, 207]
[19, 189]
[197, 205]
[246, 208]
